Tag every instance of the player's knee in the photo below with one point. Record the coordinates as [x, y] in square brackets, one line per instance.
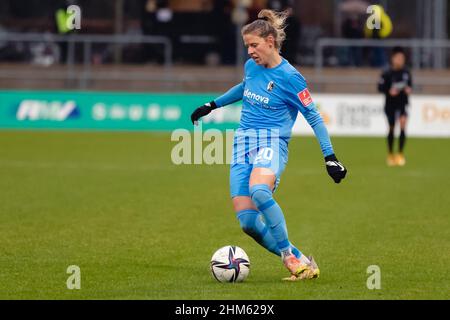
[242, 203]
[391, 134]
[262, 196]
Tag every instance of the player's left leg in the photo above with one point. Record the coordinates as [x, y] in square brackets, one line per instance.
[390, 115]
[252, 223]
[250, 219]
[261, 185]
[401, 161]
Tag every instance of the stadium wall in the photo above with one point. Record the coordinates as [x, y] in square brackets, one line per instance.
[344, 114]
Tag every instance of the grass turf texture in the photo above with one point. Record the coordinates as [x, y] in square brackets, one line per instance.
[140, 227]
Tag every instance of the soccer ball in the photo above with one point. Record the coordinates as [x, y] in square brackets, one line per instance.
[230, 264]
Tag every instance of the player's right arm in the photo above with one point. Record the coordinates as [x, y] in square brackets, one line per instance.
[384, 83]
[233, 95]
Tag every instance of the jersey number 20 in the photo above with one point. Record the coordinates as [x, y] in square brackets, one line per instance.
[264, 154]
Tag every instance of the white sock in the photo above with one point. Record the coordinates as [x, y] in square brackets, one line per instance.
[286, 253]
[304, 259]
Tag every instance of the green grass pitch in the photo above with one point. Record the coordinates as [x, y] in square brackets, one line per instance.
[140, 227]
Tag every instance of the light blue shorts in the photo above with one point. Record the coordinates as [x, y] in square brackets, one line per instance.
[272, 155]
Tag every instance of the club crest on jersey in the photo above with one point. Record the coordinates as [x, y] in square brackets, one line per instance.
[305, 97]
[270, 86]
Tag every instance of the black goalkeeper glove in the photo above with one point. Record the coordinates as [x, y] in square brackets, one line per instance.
[335, 169]
[202, 111]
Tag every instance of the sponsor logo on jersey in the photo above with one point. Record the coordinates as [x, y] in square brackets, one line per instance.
[270, 86]
[250, 95]
[305, 97]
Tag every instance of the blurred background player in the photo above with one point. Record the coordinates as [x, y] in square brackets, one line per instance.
[273, 92]
[396, 83]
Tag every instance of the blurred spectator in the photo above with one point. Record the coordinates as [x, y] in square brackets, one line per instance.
[224, 30]
[11, 51]
[378, 57]
[352, 29]
[156, 20]
[293, 29]
[253, 8]
[61, 17]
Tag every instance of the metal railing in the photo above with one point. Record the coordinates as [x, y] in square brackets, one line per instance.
[414, 44]
[87, 41]
[417, 46]
[80, 77]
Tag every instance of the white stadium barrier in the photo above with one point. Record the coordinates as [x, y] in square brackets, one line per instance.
[363, 115]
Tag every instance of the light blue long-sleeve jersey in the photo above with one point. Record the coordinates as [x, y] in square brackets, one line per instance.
[272, 98]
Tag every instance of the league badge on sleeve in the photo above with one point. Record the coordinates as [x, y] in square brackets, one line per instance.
[305, 97]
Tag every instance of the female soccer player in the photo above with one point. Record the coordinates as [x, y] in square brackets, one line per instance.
[273, 92]
[396, 84]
